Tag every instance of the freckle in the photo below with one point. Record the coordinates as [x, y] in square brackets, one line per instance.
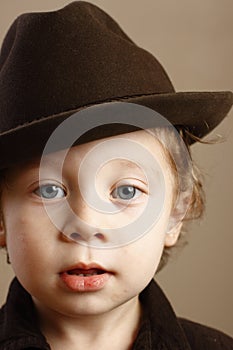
[23, 220]
[20, 237]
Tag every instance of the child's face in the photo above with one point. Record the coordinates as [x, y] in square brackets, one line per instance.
[41, 254]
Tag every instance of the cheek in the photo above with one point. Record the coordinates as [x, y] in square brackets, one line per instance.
[27, 235]
[141, 259]
[149, 248]
[149, 252]
[20, 244]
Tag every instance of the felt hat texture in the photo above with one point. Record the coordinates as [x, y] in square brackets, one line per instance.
[53, 64]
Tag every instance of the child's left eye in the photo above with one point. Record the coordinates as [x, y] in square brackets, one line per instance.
[126, 192]
[50, 191]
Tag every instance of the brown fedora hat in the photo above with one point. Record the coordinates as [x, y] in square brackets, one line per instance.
[52, 64]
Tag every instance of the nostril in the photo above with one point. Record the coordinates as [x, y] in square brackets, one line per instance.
[75, 236]
[100, 236]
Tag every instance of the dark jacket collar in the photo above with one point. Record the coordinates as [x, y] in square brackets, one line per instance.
[18, 321]
[160, 327]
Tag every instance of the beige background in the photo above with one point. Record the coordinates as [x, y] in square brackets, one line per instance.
[193, 39]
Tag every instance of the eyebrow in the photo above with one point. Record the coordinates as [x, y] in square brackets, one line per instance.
[129, 164]
[126, 164]
[37, 164]
[50, 162]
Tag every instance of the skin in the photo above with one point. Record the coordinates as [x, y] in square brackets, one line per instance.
[39, 251]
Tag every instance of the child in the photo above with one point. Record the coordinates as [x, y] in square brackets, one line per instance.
[95, 185]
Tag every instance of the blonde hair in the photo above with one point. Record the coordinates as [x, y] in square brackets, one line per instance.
[192, 179]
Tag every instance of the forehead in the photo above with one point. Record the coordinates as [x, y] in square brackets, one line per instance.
[126, 150]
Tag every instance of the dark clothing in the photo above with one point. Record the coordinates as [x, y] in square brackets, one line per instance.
[160, 328]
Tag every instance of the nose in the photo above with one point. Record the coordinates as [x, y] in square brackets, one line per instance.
[84, 225]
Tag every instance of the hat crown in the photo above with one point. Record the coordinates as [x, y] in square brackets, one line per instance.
[53, 62]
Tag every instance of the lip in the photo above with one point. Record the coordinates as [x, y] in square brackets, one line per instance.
[74, 277]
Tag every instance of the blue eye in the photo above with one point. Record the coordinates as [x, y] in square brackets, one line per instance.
[125, 192]
[50, 192]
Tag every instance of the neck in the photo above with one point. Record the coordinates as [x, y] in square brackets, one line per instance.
[116, 328]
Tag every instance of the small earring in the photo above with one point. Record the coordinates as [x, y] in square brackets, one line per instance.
[8, 258]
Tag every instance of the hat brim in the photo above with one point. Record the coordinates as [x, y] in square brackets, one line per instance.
[199, 112]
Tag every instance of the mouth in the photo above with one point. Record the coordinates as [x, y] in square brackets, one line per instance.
[85, 278]
[85, 273]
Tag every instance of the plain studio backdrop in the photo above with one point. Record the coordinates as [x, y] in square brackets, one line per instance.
[194, 42]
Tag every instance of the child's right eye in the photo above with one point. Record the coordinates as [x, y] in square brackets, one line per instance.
[50, 191]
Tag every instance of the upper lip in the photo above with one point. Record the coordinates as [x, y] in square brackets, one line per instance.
[85, 267]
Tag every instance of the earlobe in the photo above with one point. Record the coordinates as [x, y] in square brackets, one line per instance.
[173, 235]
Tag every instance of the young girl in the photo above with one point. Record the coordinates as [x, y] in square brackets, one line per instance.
[96, 182]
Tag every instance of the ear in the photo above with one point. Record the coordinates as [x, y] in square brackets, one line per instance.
[173, 234]
[2, 233]
[176, 219]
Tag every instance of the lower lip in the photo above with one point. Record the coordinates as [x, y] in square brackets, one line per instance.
[85, 284]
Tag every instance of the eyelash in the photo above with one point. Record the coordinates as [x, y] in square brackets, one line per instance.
[133, 189]
[116, 193]
[56, 188]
